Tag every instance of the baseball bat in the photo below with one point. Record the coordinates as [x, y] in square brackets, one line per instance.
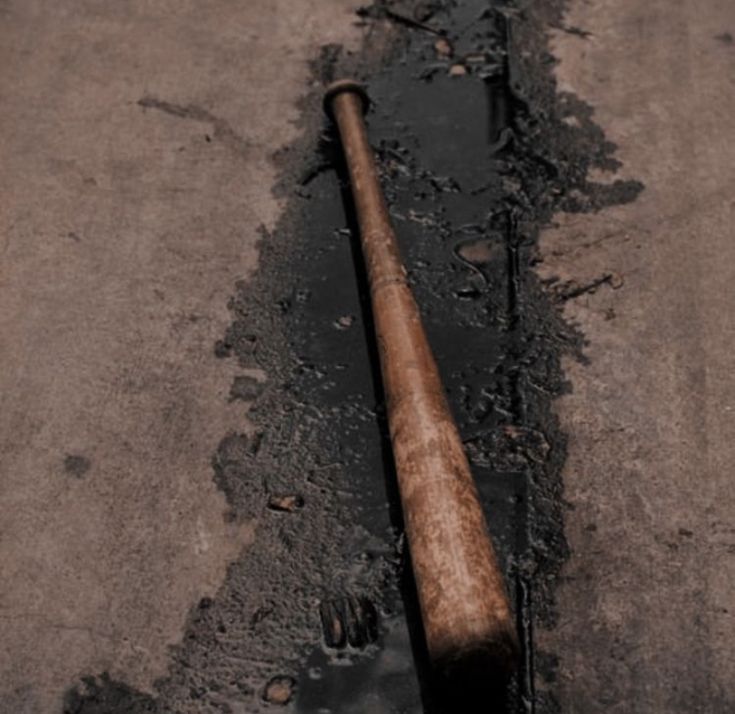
[467, 620]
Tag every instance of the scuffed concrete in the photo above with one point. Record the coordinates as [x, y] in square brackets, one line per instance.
[646, 609]
[137, 143]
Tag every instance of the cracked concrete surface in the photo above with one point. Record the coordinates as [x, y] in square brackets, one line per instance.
[137, 144]
[646, 608]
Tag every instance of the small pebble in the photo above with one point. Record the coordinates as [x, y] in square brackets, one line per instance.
[279, 690]
[287, 504]
[477, 58]
[344, 322]
[476, 252]
[443, 48]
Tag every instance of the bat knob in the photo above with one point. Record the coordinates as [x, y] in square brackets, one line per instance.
[345, 85]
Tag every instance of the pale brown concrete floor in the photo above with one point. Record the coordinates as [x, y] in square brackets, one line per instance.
[647, 613]
[123, 231]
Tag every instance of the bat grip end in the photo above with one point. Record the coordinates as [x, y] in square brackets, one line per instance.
[345, 85]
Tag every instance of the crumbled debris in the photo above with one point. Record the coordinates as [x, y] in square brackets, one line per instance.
[349, 620]
[279, 690]
[478, 251]
[344, 322]
[287, 504]
[443, 48]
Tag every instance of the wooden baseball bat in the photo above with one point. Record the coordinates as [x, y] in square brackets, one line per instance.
[467, 620]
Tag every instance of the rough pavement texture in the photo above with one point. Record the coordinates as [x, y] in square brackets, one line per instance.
[137, 142]
[647, 621]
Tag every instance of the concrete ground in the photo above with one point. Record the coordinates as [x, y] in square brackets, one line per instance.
[136, 151]
[647, 617]
[137, 170]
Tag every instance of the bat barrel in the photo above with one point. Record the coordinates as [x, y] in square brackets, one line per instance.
[466, 617]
